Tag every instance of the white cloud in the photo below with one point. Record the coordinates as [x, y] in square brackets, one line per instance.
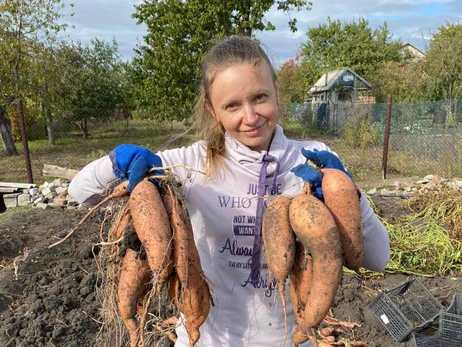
[106, 19]
[410, 20]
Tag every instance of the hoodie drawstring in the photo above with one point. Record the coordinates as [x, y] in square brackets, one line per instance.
[254, 275]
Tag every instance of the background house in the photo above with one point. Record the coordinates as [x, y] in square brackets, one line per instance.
[338, 85]
[334, 96]
[411, 52]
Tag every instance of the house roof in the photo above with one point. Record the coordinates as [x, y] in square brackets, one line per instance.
[332, 78]
[410, 45]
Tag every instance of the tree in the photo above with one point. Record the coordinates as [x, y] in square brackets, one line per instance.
[335, 45]
[43, 74]
[404, 80]
[23, 22]
[91, 83]
[292, 81]
[179, 32]
[442, 62]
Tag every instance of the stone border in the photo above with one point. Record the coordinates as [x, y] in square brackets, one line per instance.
[47, 195]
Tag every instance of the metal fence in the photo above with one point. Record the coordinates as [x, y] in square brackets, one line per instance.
[424, 138]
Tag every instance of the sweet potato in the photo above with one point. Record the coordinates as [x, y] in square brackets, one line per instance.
[152, 226]
[185, 252]
[173, 287]
[133, 284]
[120, 226]
[341, 198]
[183, 246]
[123, 220]
[315, 228]
[279, 242]
[188, 287]
[300, 283]
[195, 303]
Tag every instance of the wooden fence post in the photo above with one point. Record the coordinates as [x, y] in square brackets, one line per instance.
[386, 137]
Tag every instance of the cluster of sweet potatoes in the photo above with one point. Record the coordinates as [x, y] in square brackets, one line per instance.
[163, 226]
[309, 241]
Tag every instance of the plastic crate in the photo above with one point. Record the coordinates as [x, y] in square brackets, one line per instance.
[405, 309]
[451, 320]
[420, 340]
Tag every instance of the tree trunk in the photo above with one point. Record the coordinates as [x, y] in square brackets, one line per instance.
[450, 87]
[84, 128]
[7, 136]
[25, 144]
[50, 128]
[49, 118]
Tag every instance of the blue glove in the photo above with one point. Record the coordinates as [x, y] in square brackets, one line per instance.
[314, 177]
[132, 163]
[325, 159]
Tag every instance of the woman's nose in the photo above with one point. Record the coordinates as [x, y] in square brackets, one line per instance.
[250, 115]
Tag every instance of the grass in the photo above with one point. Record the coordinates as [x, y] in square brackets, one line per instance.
[366, 164]
[74, 152]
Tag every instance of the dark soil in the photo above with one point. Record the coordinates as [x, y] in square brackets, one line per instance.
[47, 296]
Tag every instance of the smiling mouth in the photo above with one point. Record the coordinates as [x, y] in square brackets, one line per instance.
[253, 130]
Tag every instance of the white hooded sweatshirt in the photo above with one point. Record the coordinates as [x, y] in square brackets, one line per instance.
[223, 215]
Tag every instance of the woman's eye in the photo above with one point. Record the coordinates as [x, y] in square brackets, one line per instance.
[231, 106]
[260, 97]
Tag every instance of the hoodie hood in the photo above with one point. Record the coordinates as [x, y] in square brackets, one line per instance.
[285, 151]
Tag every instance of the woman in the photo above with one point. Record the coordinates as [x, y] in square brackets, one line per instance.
[247, 158]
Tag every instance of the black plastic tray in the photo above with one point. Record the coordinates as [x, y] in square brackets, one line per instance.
[420, 340]
[405, 309]
[451, 320]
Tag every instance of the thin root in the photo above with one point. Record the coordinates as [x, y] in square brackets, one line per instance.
[117, 193]
[171, 321]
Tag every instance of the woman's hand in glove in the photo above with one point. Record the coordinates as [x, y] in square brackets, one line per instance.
[131, 162]
[312, 176]
[325, 159]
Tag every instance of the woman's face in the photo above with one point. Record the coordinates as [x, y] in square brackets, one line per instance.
[243, 98]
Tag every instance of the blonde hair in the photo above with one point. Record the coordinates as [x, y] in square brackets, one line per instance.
[233, 50]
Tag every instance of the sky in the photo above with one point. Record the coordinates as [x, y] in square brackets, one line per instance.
[409, 20]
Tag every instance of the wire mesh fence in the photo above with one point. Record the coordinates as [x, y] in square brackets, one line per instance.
[424, 138]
